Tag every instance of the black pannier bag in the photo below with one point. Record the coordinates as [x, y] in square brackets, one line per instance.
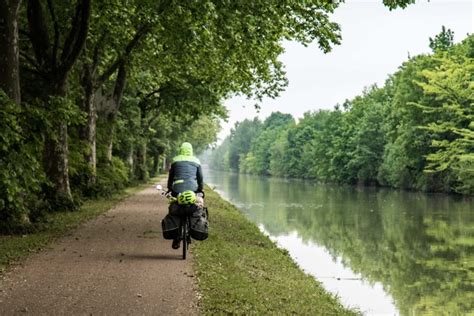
[170, 226]
[199, 229]
[182, 210]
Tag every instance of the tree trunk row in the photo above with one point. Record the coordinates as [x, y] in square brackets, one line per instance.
[9, 49]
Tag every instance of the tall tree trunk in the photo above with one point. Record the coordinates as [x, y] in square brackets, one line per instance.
[9, 49]
[155, 168]
[56, 161]
[56, 155]
[164, 166]
[141, 171]
[90, 130]
[110, 139]
[112, 116]
[130, 160]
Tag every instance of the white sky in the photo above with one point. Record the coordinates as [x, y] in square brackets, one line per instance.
[375, 42]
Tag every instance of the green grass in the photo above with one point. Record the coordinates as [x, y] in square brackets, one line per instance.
[14, 248]
[241, 271]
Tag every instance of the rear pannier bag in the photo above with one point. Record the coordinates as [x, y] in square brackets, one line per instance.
[182, 210]
[199, 229]
[170, 226]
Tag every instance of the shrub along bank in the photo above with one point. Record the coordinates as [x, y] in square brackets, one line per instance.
[241, 271]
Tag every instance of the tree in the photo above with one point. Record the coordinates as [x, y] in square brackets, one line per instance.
[443, 41]
[51, 65]
[407, 145]
[452, 84]
[241, 137]
[393, 4]
[9, 49]
[20, 172]
[366, 140]
[290, 154]
[261, 146]
[220, 157]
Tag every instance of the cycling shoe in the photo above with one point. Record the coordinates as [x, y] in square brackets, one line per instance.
[175, 244]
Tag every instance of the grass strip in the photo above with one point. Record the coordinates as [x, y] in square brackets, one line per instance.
[241, 271]
[14, 248]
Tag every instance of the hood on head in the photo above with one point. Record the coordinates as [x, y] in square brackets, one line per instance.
[186, 149]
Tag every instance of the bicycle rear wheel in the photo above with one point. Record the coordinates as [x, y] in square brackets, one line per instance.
[184, 238]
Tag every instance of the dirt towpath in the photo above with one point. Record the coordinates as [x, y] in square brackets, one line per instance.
[117, 264]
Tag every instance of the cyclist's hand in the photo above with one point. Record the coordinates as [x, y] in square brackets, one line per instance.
[201, 193]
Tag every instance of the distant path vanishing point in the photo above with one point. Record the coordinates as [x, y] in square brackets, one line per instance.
[116, 264]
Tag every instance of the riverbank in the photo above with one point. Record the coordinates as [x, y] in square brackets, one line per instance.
[14, 248]
[241, 271]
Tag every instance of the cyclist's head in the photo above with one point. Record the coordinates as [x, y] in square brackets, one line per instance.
[186, 149]
[187, 197]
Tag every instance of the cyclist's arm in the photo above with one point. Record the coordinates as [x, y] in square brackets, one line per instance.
[170, 178]
[199, 179]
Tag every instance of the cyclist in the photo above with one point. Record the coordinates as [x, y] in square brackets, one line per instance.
[185, 174]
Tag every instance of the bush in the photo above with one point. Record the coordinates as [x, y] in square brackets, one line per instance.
[111, 178]
[20, 172]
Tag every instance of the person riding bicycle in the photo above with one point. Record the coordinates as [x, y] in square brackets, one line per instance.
[185, 174]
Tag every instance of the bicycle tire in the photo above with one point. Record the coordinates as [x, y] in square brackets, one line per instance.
[184, 237]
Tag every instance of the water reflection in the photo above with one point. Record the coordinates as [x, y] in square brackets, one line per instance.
[384, 251]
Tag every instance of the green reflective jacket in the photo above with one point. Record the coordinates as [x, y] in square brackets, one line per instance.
[185, 172]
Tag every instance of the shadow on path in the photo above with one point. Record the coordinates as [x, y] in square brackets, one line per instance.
[140, 256]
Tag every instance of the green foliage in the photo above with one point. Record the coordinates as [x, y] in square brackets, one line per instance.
[443, 41]
[273, 126]
[330, 148]
[393, 4]
[220, 157]
[280, 156]
[241, 137]
[111, 178]
[202, 133]
[20, 173]
[407, 146]
[367, 143]
[452, 84]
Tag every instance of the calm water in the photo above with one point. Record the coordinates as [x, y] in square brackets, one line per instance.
[384, 252]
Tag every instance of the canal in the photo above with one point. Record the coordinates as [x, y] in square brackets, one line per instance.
[380, 251]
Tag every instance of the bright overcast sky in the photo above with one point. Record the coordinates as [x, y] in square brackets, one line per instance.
[375, 41]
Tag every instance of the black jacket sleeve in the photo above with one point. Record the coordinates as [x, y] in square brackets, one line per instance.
[199, 178]
[170, 178]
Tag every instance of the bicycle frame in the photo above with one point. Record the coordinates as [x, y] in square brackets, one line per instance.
[184, 231]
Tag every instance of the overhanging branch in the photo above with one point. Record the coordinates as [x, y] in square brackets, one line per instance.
[141, 32]
[56, 34]
[77, 36]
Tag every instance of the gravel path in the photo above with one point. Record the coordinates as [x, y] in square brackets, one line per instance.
[117, 264]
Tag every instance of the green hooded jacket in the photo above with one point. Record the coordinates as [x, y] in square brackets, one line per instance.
[185, 172]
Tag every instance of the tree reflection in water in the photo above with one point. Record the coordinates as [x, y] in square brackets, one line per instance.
[420, 247]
